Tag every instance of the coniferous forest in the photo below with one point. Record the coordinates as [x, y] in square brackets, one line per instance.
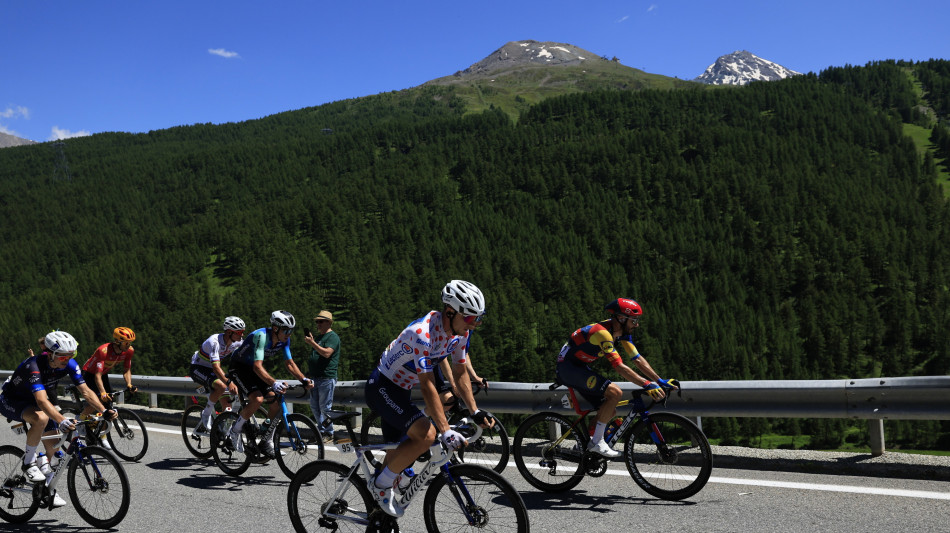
[781, 230]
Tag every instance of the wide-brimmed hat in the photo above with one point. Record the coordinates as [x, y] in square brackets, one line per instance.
[324, 315]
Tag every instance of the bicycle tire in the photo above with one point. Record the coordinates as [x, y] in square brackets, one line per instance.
[371, 432]
[495, 501]
[310, 495]
[493, 440]
[200, 447]
[544, 464]
[127, 435]
[17, 504]
[98, 487]
[229, 460]
[676, 472]
[292, 454]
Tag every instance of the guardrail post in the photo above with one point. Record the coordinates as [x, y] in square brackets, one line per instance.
[554, 430]
[153, 400]
[876, 429]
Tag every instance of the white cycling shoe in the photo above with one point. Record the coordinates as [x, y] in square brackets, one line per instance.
[57, 501]
[236, 442]
[602, 449]
[386, 498]
[33, 473]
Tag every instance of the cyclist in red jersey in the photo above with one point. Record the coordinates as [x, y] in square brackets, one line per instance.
[600, 340]
[118, 352]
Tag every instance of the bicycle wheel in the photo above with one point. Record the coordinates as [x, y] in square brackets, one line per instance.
[98, 487]
[17, 504]
[549, 455]
[489, 502]
[229, 460]
[127, 435]
[312, 507]
[297, 445]
[199, 446]
[371, 432]
[482, 451]
[676, 469]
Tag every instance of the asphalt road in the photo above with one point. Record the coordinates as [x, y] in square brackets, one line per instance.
[174, 492]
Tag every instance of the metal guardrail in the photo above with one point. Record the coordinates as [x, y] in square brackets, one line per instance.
[875, 399]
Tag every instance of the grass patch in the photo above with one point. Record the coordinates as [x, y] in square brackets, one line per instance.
[921, 138]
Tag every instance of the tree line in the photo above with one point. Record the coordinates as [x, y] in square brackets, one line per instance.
[783, 230]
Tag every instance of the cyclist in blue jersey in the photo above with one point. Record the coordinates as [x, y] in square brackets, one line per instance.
[411, 360]
[248, 362]
[24, 399]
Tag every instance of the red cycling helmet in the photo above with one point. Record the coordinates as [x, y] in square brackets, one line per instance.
[624, 306]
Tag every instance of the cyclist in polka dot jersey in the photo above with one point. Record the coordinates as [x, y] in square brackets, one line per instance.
[410, 361]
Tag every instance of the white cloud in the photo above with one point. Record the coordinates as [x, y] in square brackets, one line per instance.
[15, 111]
[228, 54]
[59, 133]
[651, 8]
[623, 18]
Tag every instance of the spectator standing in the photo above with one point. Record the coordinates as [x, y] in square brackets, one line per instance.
[324, 361]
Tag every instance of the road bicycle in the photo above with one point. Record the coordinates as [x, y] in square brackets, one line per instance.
[667, 455]
[326, 495]
[297, 441]
[95, 479]
[481, 450]
[197, 440]
[126, 434]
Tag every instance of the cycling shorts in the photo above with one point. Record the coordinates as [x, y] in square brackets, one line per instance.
[589, 384]
[90, 379]
[393, 404]
[203, 375]
[13, 408]
[248, 380]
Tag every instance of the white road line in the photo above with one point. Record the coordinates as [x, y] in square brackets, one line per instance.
[755, 482]
[814, 486]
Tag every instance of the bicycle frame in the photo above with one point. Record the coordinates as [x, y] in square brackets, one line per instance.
[418, 483]
[73, 451]
[638, 410]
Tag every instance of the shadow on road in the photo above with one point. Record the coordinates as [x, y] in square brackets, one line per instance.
[582, 501]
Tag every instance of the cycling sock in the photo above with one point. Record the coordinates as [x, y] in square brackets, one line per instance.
[599, 432]
[206, 412]
[236, 428]
[30, 454]
[385, 479]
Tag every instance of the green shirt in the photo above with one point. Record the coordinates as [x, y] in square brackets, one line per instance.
[325, 367]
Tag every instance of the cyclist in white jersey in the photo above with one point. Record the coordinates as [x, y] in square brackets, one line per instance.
[206, 366]
[409, 361]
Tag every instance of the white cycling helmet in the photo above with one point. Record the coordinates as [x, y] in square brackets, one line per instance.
[464, 297]
[283, 319]
[60, 342]
[234, 323]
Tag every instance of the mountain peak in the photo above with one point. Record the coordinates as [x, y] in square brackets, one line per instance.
[11, 140]
[525, 53]
[742, 67]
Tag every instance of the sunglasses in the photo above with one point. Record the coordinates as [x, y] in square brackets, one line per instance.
[321, 320]
[64, 356]
[286, 331]
[624, 320]
[238, 331]
[472, 319]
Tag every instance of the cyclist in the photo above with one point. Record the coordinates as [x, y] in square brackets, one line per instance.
[248, 362]
[95, 371]
[24, 399]
[410, 360]
[206, 367]
[600, 340]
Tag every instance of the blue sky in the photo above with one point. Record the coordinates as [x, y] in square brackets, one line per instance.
[77, 68]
